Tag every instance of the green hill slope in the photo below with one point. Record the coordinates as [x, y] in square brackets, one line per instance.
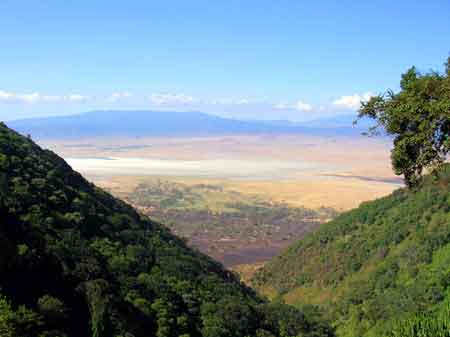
[74, 261]
[372, 266]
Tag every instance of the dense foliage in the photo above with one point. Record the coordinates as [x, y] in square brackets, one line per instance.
[76, 262]
[368, 268]
[435, 324]
[418, 118]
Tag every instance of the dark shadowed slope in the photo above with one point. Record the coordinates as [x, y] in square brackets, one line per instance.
[376, 264]
[158, 123]
[76, 262]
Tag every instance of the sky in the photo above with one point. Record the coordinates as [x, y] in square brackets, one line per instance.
[246, 59]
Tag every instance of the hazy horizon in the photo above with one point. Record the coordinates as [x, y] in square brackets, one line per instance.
[252, 60]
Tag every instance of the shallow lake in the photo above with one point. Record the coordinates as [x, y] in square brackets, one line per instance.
[215, 168]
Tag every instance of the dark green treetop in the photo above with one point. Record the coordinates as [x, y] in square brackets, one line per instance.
[418, 119]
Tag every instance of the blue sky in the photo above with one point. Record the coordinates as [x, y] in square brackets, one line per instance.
[245, 59]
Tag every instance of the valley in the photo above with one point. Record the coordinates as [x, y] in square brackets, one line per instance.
[232, 227]
[225, 169]
[240, 199]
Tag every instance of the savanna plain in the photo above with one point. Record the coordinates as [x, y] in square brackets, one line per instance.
[247, 197]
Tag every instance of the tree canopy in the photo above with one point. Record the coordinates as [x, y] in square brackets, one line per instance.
[380, 268]
[76, 262]
[418, 119]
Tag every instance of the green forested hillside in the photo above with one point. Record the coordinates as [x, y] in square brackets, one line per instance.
[376, 265]
[74, 261]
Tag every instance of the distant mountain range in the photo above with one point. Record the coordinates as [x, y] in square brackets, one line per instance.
[170, 123]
